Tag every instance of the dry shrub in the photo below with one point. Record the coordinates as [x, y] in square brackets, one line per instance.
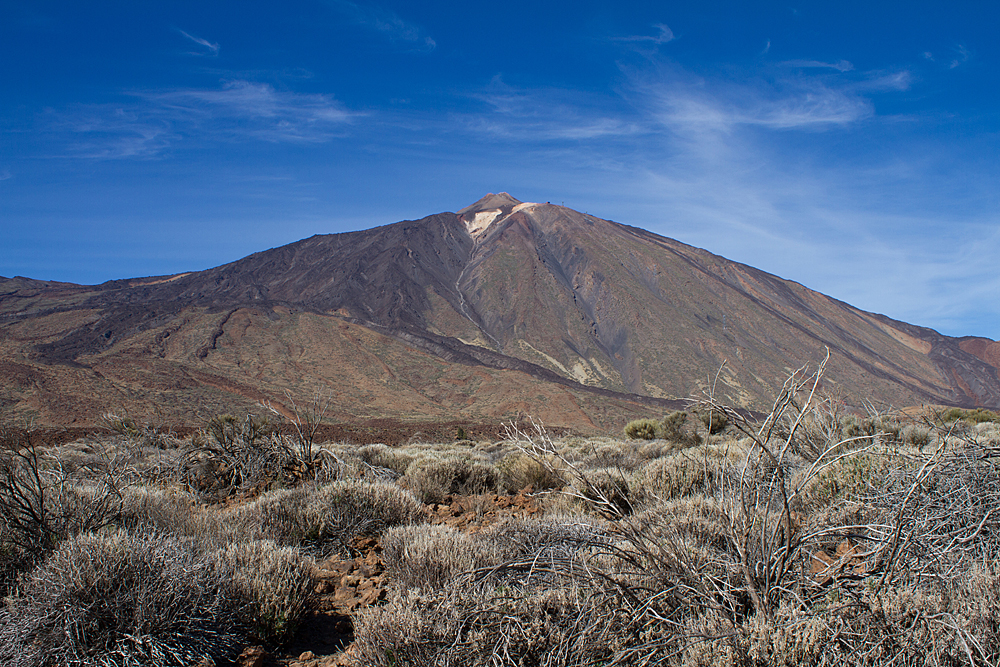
[43, 503]
[120, 598]
[556, 536]
[916, 435]
[326, 516]
[717, 567]
[622, 455]
[491, 625]
[519, 471]
[939, 519]
[606, 490]
[690, 471]
[987, 434]
[429, 557]
[858, 474]
[277, 582]
[677, 428]
[715, 421]
[166, 510]
[431, 482]
[383, 456]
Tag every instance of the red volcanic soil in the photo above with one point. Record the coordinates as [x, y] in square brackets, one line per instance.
[984, 348]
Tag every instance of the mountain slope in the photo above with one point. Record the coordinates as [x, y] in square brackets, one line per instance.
[501, 307]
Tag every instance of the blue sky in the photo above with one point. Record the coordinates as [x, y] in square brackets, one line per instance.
[849, 146]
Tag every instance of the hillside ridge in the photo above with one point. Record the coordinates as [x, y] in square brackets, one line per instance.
[591, 310]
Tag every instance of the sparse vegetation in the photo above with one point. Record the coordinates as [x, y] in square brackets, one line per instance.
[809, 535]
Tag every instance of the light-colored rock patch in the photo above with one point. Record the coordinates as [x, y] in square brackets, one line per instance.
[482, 221]
[906, 339]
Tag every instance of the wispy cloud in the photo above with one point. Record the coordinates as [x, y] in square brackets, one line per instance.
[5, 174]
[962, 56]
[107, 132]
[678, 100]
[663, 35]
[882, 80]
[840, 66]
[164, 118]
[544, 114]
[273, 115]
[385, 21]
[208, 48]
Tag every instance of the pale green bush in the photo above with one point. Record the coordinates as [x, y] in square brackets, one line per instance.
[641, 429]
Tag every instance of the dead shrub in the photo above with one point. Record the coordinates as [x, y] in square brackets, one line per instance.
[43, 503]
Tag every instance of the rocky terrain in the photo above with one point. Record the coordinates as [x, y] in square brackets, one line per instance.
[501, 308]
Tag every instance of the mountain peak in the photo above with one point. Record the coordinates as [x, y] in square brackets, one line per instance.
[490, 202]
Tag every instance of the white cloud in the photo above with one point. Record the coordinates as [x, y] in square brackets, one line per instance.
[882, 80]
[163, 118]
[305, 116]
[386, 22]
[210, 48]
[664, 35]
[680, 101]
[543, 114]
[962, 57]
[5, 174]
[841, 66]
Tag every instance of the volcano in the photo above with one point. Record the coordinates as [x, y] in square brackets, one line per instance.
[501, 308]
